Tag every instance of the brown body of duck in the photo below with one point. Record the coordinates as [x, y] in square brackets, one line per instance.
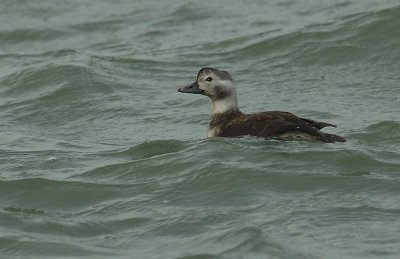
[228, 121]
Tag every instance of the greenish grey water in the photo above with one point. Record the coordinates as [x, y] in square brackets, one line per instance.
[100, 157]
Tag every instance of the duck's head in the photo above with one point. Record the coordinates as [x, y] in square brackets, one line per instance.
[216, 84]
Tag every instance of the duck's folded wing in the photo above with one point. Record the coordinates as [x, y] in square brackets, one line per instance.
[275, 123]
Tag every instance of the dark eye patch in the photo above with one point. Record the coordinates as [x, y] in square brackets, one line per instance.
[209, 79]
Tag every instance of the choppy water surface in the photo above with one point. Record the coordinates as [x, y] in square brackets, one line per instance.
[100, 157]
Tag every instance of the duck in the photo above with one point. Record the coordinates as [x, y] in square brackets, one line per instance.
[228, 121]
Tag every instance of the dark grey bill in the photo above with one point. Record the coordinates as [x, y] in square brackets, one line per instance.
[191, 89]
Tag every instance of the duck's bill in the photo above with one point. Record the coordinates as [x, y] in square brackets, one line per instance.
[191, 89]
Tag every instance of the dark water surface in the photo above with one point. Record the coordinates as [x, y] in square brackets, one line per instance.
[100, 157]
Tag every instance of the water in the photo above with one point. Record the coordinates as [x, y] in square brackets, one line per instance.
[100, 157]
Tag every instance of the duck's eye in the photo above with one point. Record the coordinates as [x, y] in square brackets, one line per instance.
[209, 79]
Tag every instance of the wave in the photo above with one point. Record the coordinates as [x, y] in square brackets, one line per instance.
[379, 134]
[31, 35]
[210, 164]
[32, 246]
[347, 40]
[63, 193]
[54, 93]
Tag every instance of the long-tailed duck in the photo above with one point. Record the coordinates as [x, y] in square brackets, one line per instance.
[228, 121]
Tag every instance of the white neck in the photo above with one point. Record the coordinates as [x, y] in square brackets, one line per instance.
[226, 104]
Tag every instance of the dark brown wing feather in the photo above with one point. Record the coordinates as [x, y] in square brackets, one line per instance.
[276, 123]
[271, 124]
[317, 124]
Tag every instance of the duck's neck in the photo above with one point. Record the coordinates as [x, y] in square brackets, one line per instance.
[228, 103]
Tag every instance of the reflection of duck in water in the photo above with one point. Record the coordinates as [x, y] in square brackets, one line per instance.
[228, 121]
